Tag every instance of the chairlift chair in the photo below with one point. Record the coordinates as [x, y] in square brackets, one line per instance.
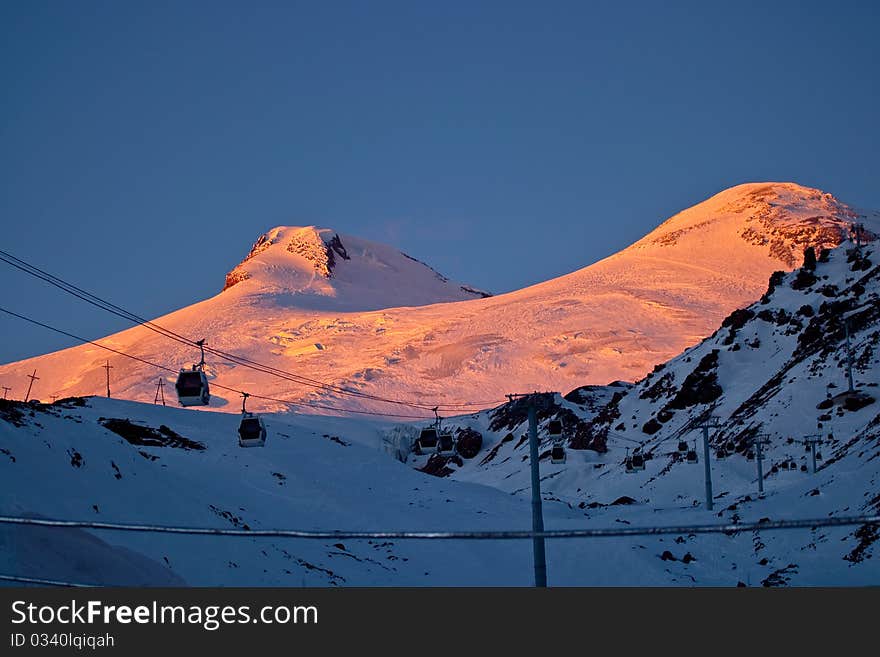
[192, 385]
[251, 429]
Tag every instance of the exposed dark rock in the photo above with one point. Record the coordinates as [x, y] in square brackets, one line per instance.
[809, 259]
[438, 465]
[137, 434]
[76, 459]
[474, 291]
[469, 442]
[857, 401]
[701, 385]
[651, 427]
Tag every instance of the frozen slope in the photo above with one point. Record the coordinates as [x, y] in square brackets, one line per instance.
[777, 369]
[774, 368]
[612, 320]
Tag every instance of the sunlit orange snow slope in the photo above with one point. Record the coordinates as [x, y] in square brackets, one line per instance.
[361, 315]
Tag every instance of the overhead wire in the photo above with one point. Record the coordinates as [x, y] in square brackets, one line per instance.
[490, 535]
[235, 359]
[302, 404]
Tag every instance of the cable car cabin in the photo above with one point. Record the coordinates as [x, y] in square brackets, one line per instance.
[557, 454]
[427, 440]
[629, 465]
[750, 455]
[638, 461]
[445, 444]
[251, 431]
[682, 446]
[691, 456]
[554, 428]
[192, 388]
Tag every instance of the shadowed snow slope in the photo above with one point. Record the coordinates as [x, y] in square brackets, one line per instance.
[776, 368]
[331, 307]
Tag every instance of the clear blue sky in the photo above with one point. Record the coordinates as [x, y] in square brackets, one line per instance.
[504, 143]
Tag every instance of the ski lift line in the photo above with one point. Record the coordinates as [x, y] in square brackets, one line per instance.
[85, 341]
[216, 385]
[105, 305]
[45, 582]
[234, 359]
[608, 532]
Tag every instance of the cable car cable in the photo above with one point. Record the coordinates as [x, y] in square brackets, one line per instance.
[233, 358]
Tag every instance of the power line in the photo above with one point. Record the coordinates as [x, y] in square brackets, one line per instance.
[727, 528]
[108, 306]
[44, 582]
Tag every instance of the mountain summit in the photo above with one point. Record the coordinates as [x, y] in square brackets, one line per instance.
[325, 271]
[351, 313]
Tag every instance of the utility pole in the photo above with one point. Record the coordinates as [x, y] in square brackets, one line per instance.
[160, 392]
[759, 441]
[708, 423]
[537, 509]
[108, 367]
[849, 374]
[857, 229]
[33, 377]
[811, 441]
[54, 398]
[6, 390]
[849, 359]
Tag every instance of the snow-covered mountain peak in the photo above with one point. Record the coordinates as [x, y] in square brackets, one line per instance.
[325, 270]
[782, 218]
[366, 317]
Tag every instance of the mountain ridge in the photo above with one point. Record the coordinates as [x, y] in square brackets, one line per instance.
[614, 319]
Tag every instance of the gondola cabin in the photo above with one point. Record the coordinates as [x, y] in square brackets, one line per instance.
[682, 447]
[445, 443]
[251, 431]
[638, 461]
[427, 440]
[554, 428]
[691, 456]
[192, 388]
[557, 454]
